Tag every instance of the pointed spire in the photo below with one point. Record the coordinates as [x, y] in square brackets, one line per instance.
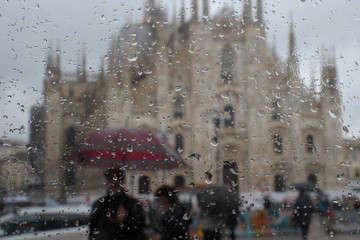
[205, 8]
[312, 79]
[82, 68]
[247, 13]
[112, 55]
[259, 12]
[84, 61]
[292, 53]
[149, 8]
[102, 72]
[194, 9]
[50, 61]
[174, 16]
[182, 13]
[58, 56]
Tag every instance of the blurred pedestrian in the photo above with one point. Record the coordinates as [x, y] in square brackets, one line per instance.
[302, 213]
[171, 219]
[117, 215]
[219, 208]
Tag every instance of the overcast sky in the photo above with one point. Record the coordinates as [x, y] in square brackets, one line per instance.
[30, 27]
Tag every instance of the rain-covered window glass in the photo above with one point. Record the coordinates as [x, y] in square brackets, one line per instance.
[102, 99]
[229, 117]
[278, 145]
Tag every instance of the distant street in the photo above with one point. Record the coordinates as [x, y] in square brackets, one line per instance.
[317, 232]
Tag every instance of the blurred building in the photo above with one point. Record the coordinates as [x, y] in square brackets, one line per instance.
[216, 88]
[15, 169]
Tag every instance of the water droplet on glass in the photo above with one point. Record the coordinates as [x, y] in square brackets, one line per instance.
[149, 138]
[345, 129]
[177, 88]
[110, 140]
[260, 113]
[214, 141]
[77, 223]
[180, 150]
[186, 216]
[340, 176]
[332, 114]
[129, 148]
[208, 177]
[133, 59]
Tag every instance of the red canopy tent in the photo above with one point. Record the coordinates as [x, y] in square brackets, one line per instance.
[131, 148]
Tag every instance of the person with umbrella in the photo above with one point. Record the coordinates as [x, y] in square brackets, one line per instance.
[302, 212]
[117, 215]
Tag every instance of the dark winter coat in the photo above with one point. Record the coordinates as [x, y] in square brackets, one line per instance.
[105, 208]
[172, 223]
[303, 210]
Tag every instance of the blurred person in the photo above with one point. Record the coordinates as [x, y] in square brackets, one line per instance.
[302, 213]
[218, 210]
[170, 218]
[117, 215]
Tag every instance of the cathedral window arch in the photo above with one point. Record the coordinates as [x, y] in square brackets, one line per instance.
[310, 144]
[278, 143]
[227, 64]
[179, 143]
[179, 181]
[229, 120]
[279, 183]
[276, 115]
[144, 184]
[178, 108]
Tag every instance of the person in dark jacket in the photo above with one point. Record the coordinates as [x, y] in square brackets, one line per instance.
[117, 215]
[302, 213]
[170, 218]
[219, 206]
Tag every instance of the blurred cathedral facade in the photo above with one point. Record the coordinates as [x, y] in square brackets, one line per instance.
[215, 88]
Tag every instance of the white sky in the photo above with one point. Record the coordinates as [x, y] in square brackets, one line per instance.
[28, 28]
